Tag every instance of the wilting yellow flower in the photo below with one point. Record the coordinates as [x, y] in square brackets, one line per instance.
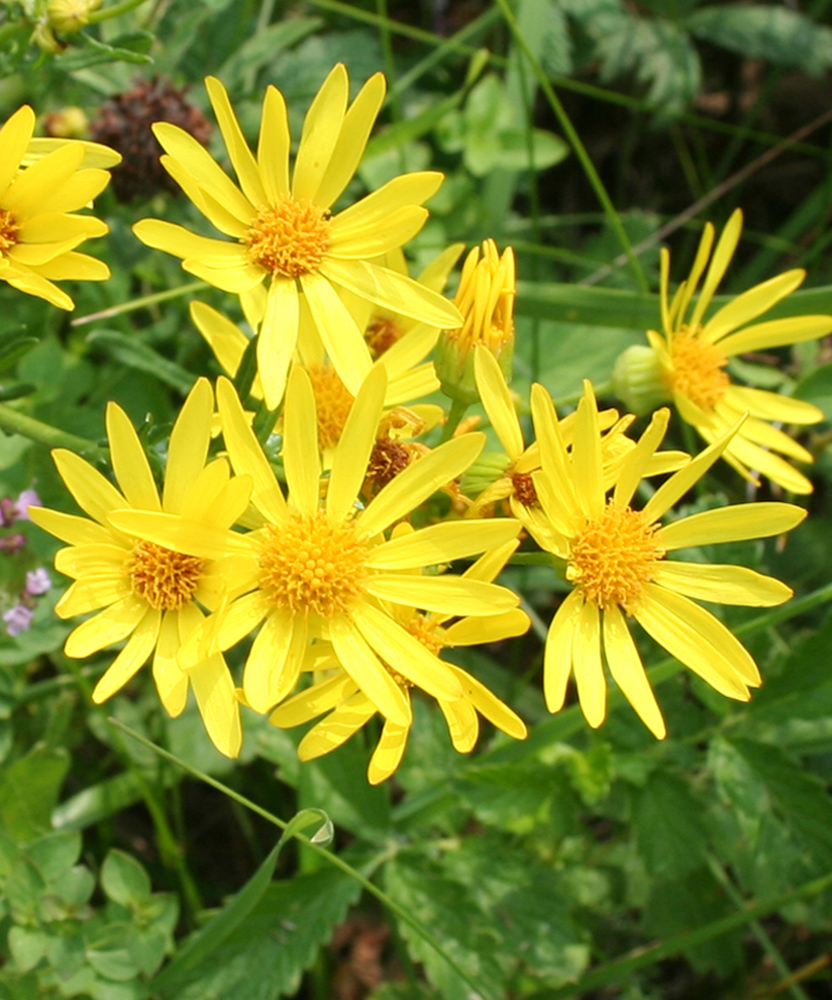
[692, 355]
[287, 246]
[150, 595]
[615, 557]
[38, 228]
[349, 707]
[511, 473]
[323, 569]
[485, 298]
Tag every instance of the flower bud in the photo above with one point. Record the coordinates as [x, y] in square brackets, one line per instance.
[69, 16]
[638, 380]
[485, 298]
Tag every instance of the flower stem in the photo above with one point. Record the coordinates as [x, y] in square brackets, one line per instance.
[456, 414]
[14, 422]
[106, 13]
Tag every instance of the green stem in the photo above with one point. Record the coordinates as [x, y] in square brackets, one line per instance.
[457, 412]
[578, 146]
[141, 303]
[106, 13]
[333, 859]
[14, 422]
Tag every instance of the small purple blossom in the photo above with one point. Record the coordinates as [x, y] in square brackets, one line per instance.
[18, 619]
[28, 498]
[38, 582]
[12, 543]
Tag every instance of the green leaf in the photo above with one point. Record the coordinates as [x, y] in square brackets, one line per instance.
[755, 31]
[338, 784]
[668, 826]
[265, 955]
[55, 853]
[133, 353]
[27, 947]
[198, 956]
[264, 46]
[124, 880]
[29, 790]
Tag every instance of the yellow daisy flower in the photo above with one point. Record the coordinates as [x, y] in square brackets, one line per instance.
[515, 468]
[408, 380]
[38, 228]
[150, 595]
[349, 707]
[287, 245]
[320, 569]
[615, 557]
[693, 353]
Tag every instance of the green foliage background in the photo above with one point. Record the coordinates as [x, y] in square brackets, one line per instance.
[135, 861]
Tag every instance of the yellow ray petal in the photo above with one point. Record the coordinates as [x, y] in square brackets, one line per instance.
[494, 628]
[130, 465]
[722, 584]
[182, 243]
[134, 655]
[194, 538]
[406, 189]
[58, 227]
[92, 491]
[352, 140]
[388, 753]
[314, 701]
[171, 682]
[552, 449]
[749, 305]
[277, 339]
[111, 625]
[23, 196]
[349, 466]
[490, 706]
[242, 159]
[635, 464]
[246, 454]
[336, 327]
[226, 339]
[368, 672]
[385, 235]
[772, 406]
[35, 284]
[419, 481]
[396, 292]
[498, 403]
[76, 192]
[408, 657]
[723, 253]
[688, 632]
[586, 455]
[69, 527]
[188, 447]
[628, 672]
[751, 456]
[463, 724]
[443, 543]
[731, 524]
[14, 141]
[300, 443]
[273, 146]
[74, 266]
[267, 660]
[586, 662]
[321, 128]
[776, 333]
[92, 559]
[90, 594]
[216, 699]
[557, 658]
[204, 170]
[224, 629]
[451, 595]
[333, 731]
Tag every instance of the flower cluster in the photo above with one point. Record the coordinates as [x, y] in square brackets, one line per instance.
[317, 545]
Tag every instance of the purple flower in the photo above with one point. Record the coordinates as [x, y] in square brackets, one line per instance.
[37, 582]
[18, 619]
[28, 498]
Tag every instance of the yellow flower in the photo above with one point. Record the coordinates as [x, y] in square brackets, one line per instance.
[349, 707]
[321, 569]
[693, 354]
[284, 234]
[408, 380]
[515, 469]
[150, 594]
[38, 228]
[485, 298]
[615, 557]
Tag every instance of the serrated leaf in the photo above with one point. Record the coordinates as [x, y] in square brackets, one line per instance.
[267, 953]
[757, 31]
[668, 826]
[124, 880]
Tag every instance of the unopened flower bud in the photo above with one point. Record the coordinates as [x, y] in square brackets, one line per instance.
[69, 16]
[485, 298]
[67, 123]
[638, 380]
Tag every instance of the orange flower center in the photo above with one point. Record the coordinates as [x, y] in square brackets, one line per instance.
[333, 402]
[697, 370]
[313, 564]
[381, 333]
[8, 230]
[162, 577]
[289, 239]
[425, 631]
[613, 556]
